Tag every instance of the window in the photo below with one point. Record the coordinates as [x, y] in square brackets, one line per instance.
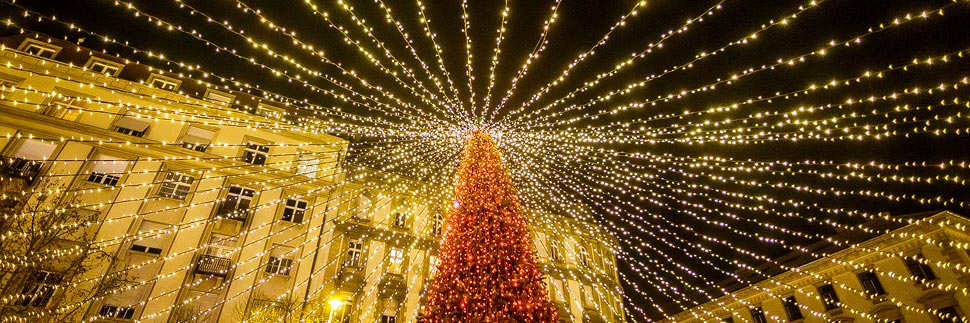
[237, 203]
[176, 185]
[354, 252]
[39, 49]
[583, 256]
[38, 289]
[871, 283]
[558, 290]
[388, 318]
[396, 258]
[727, 320]
[829, 298]
[107, 170]
[307, 165]
[164, 83]
[222, 246]
[117, 312]
[131, 126]
[105, 69]
[400, 220]
[26, 160]
[791, 308]
[103, 66]
[146, 249]
[919, 269]
[294, 210]
[280, 261]
[948, 315]
[67, 106]
[197, 139]
[256, 154]
[219, 97]
[151, 238]
[437, 222]
[554, 250]
[758, 315]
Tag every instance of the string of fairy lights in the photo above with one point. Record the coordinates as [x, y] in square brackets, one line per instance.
[647, 182]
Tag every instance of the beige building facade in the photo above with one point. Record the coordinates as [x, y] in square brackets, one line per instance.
[917, 272]
[216, 206]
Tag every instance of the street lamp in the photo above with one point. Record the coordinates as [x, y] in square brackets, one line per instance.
[335, 303]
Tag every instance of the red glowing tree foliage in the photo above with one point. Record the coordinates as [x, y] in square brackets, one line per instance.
[487, 272]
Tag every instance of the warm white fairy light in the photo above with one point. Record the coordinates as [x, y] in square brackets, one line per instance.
[411, 123]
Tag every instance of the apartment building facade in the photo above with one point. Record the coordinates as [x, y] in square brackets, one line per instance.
[215, 207]
[915, 272]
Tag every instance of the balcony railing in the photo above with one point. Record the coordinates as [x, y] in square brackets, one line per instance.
[212, 265]
[234, 211]
[16, 167]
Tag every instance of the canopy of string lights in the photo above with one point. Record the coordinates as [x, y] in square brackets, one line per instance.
[703, 138]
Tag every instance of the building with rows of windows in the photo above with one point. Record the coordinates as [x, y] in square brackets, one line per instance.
[212, 205]
[915, 272]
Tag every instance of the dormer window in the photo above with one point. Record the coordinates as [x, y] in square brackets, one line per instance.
[219, 97]
[40, 49]
[102, 66]
[164, 83]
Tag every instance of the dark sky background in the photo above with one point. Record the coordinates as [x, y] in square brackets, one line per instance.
[579, 26]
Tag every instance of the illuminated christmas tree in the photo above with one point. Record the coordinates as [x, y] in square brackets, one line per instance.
[487, 272]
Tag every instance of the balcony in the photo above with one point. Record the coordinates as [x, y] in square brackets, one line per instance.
[212, 265]
[27, 170]
[350, 278]
[234, 211]
[392, 285]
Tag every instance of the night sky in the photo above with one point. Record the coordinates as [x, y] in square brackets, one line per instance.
[659, 175]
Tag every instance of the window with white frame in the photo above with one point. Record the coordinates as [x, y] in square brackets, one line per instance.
[164, 83]
[119, 312]
[294, 210]
[396, 258]
[221, 245]
[131, 126]
[237, 202]
[40, 49]
[107, 170]
[103, 66]
[176, 185]
[307, 165]
[280, 260]
[554, 252]
[197, 138]
[39, 289]
[437, 223]
[66, 105]
[255, 154]
[355, 252]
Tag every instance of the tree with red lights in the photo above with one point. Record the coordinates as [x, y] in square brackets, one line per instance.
[487, 272]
